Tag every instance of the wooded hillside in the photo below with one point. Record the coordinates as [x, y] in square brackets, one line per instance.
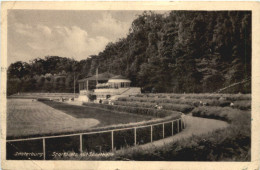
[183, 51]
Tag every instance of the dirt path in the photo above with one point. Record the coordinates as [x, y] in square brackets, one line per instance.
[194, 126]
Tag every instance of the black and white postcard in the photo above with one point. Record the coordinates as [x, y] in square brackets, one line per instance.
[130, 85]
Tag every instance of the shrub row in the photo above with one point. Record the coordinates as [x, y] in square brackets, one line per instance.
[232, 97]
[242, 104]
[222, 113]
[230, 144]
[184, 108]
[135, 110]
[220, 145]
[192, 102]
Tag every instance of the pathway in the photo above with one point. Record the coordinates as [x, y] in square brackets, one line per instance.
[194, 126]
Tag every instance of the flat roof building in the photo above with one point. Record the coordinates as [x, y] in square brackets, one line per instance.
[105, 85]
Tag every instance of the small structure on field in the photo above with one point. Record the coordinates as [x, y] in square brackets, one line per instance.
[119, 82]
[92, 82]
[105, 86]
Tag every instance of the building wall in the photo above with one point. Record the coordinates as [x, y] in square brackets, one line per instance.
[119, 84]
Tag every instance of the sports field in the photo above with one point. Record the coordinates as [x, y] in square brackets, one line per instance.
[27, 117]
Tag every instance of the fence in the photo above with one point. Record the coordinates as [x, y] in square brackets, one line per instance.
[44, 148]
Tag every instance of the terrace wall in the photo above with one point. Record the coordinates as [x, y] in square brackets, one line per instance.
[43, 95]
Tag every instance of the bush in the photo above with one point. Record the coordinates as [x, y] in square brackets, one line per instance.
[216, 96]
[230, 144]
[242, 104]
[135, 110]
[191, 102]
[222, 113]
[166, 106]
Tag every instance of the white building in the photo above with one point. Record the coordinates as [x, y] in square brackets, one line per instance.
[106, 86]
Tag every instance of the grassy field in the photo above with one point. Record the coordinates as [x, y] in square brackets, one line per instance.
[26, 117]
[194, 126]
[184, 108]
[231, 143]
[105, 117]
[238, 101]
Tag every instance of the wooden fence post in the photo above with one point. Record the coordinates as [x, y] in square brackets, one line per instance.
[80, 143]
[163, 130]
[184, 123]
[181, 124]
[178, 128]
[151, 133]
[112, 140]
[43, 148]
[135, 134]
[172, 128]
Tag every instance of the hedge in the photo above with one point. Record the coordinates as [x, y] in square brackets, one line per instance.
[135, 110]
[229, 144]
[185, 108]
[242, 104]
[222, 113]
[192, 102]
[232, 97]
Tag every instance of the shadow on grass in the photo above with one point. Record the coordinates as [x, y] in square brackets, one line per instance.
[105, 117]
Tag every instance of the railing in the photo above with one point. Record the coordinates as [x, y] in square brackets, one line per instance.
[110, 90]
[43, 148]
[124, 91]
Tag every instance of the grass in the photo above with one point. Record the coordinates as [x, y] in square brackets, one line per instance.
[105, 117]
[71, 143]
[242, 104]
[221, 113]
[233, 143]
[28, 118]
[184, 108]
[136, 110]
[187, 102]
[195, 126]
[232, 97]
[230, 144]
[193, 102]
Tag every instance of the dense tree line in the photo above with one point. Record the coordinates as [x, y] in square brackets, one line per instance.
[183, 51]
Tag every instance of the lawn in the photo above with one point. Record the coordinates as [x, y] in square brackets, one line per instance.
[105, 117]
[232, 143]
[26, 117]
[197, 142]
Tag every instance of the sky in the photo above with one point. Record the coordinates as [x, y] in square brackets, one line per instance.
[75, 34]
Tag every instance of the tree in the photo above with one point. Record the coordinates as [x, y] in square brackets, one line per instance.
[19, 69]
[182, 51]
